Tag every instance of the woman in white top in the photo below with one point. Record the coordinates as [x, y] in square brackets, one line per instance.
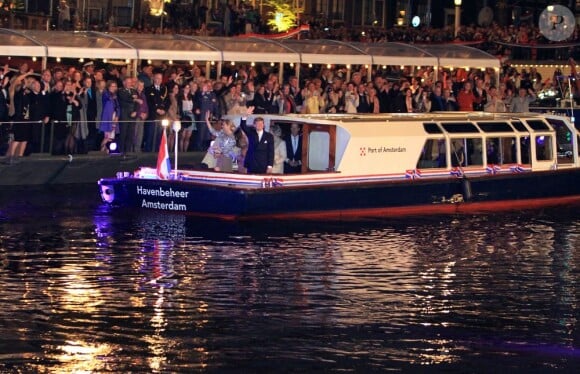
[279, 150]
[187, 107]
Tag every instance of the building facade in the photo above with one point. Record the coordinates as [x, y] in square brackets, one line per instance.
[350, 13]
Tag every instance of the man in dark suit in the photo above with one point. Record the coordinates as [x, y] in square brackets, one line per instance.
[293, 162]
[438, 103]
[38, 115]
[260, 155]
[127, 96]
[158, 102]
[88, 96]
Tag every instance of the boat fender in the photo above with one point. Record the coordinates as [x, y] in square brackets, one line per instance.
[466, 189]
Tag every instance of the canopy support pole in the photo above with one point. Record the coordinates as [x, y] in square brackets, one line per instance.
[281, 73]
[219, 70]
[297, 73]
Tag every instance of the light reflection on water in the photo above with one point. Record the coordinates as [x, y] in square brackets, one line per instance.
[89, 289]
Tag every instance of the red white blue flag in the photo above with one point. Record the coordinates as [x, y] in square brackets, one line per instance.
[163, 165]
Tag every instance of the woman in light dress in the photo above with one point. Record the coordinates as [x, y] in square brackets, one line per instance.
[223, 151]
[279, 150]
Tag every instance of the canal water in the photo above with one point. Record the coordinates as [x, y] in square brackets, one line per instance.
[85, 288]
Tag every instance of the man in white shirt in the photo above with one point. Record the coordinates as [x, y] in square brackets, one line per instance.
[260, 155]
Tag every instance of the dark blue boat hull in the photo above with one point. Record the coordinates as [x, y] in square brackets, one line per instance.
[392, 198]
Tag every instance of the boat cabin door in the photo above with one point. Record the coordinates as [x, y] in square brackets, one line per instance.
[318, 147]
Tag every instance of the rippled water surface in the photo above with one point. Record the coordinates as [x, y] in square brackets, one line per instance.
[88, 289]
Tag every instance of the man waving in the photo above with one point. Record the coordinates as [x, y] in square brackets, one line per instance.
[260, 156]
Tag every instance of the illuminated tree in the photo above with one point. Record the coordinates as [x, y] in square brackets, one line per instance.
[283, 14]
[157, 7]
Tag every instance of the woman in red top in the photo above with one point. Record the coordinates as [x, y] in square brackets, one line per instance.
[466, 98]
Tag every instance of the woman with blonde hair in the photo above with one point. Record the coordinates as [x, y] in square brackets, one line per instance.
[223, 149]
[279, 150]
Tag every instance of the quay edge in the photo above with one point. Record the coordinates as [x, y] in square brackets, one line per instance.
[41, 169]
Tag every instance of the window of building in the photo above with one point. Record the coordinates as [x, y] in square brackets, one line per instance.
[122, 16]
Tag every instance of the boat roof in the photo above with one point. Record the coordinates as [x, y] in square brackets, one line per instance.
[402, 117]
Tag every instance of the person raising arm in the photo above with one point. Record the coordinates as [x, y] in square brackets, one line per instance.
[260, 155]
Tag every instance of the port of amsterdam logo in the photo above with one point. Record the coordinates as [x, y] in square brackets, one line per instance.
[557, 23]
[363, 151]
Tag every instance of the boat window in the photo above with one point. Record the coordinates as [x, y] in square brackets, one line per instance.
[433, 154]
[525, 150]
[318, 150]
[495, 126]
[457, 127]
[500, 151]
[432, 128]
[563, 141]
[519, 126]
[544, 150]
[538, 125]
[467, 152]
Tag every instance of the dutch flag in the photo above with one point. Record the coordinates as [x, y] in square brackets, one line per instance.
[163, 165]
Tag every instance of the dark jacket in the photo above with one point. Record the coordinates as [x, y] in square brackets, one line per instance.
[293, 156]
[260, 153]
[128, 105]
[157, 100]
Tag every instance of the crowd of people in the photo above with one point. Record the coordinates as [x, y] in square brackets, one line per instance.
[79, 109]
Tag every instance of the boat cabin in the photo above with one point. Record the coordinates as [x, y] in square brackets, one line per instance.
[433, 143]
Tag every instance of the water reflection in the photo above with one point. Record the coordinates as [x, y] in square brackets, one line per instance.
[123, 291]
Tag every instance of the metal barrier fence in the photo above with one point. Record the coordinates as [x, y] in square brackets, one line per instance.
[6, 130]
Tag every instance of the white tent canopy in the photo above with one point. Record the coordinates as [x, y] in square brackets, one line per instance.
[45, 44]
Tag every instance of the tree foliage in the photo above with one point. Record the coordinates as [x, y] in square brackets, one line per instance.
[283, 15]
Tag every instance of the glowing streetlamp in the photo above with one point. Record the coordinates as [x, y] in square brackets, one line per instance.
[457, 16]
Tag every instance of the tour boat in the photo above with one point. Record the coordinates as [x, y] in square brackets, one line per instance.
[382, 165]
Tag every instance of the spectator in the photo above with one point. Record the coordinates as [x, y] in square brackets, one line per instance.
[111, 113]
[521, 103]
[494, 104]
[466, 99]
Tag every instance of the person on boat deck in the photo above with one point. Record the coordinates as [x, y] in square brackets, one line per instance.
[260, 155]
[242, 144]
[223, 148]
[293, 163]
[521, 103]
[279, 150]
